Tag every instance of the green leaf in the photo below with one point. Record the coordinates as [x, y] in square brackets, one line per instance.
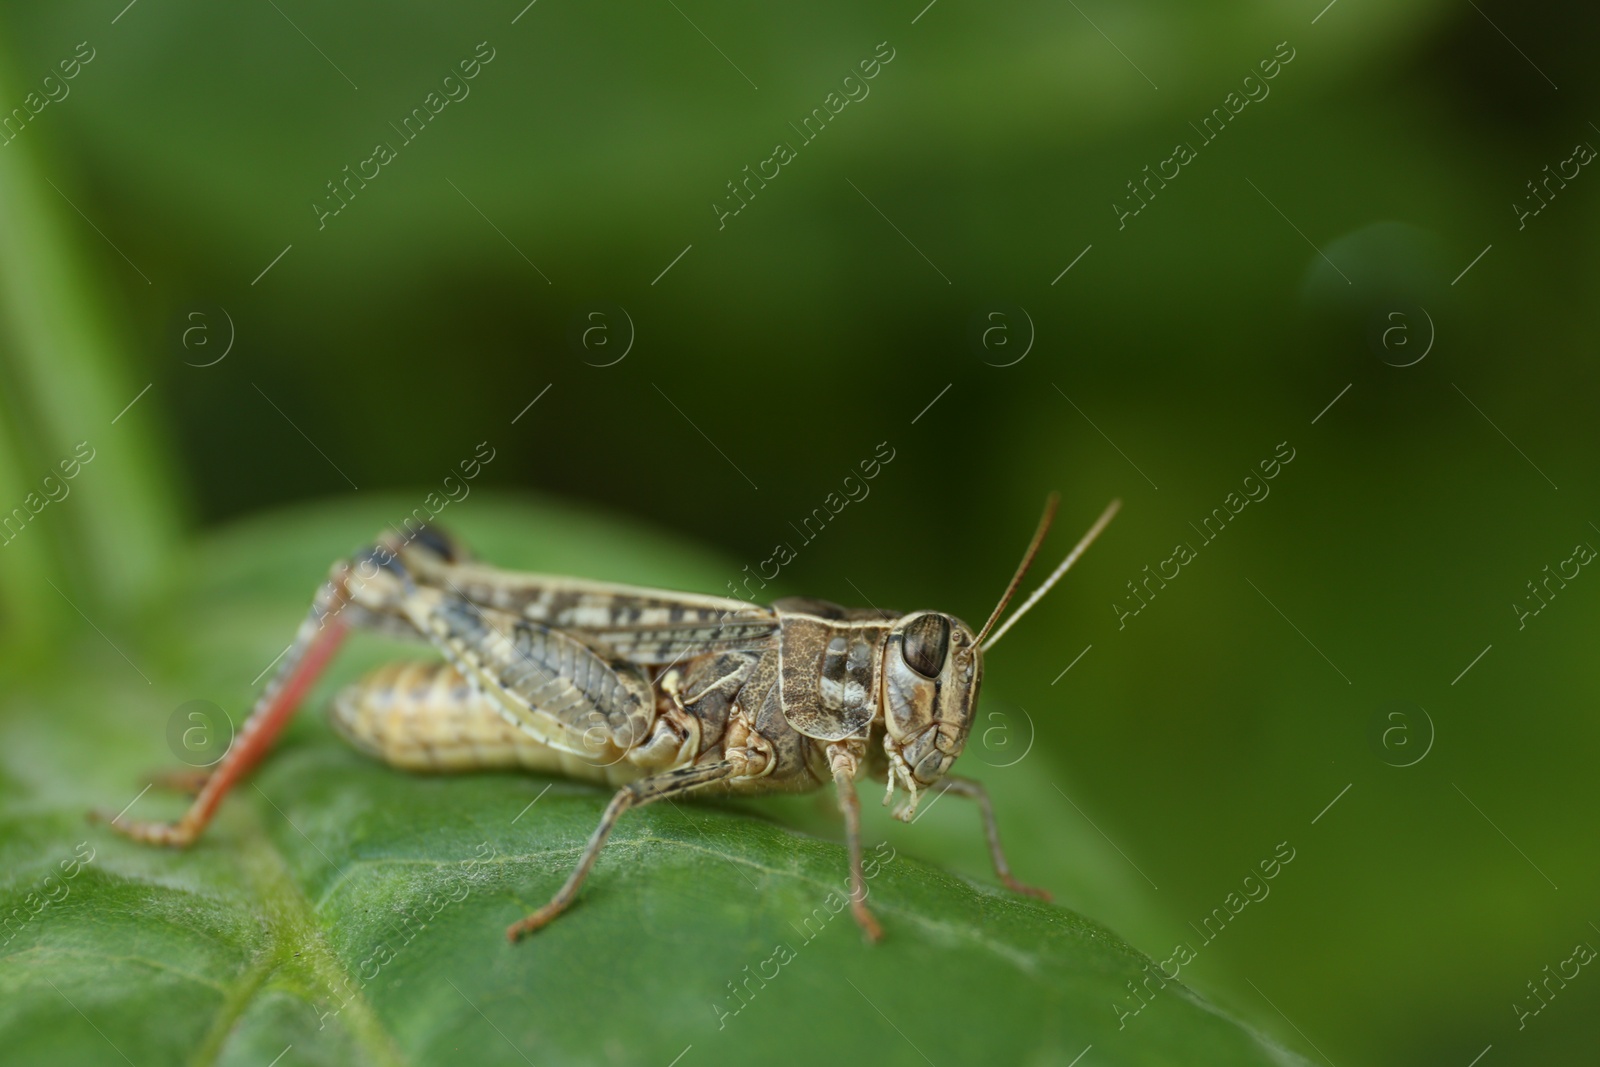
[340, 912]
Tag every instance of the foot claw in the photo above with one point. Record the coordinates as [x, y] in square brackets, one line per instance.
[537, 921]
[869, 925]
[1028, 890]
[188, 780]
[148, 833]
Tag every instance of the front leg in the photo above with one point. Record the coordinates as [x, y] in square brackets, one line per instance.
[632, 795]
[844, 763]
[967, 787]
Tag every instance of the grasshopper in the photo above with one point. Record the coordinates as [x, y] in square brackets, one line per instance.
[654, 693]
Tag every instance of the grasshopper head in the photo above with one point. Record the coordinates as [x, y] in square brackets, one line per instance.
[932, 670]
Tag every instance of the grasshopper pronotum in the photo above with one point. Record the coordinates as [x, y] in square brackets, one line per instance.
[654, 692]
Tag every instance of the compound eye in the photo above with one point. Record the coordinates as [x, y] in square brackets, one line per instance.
[925, 644]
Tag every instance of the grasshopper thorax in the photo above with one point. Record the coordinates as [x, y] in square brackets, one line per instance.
[932, 667]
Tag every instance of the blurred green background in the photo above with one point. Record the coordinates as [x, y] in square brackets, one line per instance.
[161, 213]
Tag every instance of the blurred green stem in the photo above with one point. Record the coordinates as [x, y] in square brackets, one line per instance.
[66, 375]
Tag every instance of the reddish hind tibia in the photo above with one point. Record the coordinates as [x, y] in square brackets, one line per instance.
[271, 714]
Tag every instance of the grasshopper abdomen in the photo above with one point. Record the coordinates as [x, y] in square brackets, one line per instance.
[426, 717]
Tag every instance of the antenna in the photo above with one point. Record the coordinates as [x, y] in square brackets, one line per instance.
[1050, 504]
[1055, 576]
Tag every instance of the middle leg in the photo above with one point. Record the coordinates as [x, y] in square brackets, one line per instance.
[632, 795]
[844, 763]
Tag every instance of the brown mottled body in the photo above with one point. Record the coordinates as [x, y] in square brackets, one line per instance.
[426, 717]
[653, 693]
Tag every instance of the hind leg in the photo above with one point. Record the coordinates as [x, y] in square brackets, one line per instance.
[359, 592]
